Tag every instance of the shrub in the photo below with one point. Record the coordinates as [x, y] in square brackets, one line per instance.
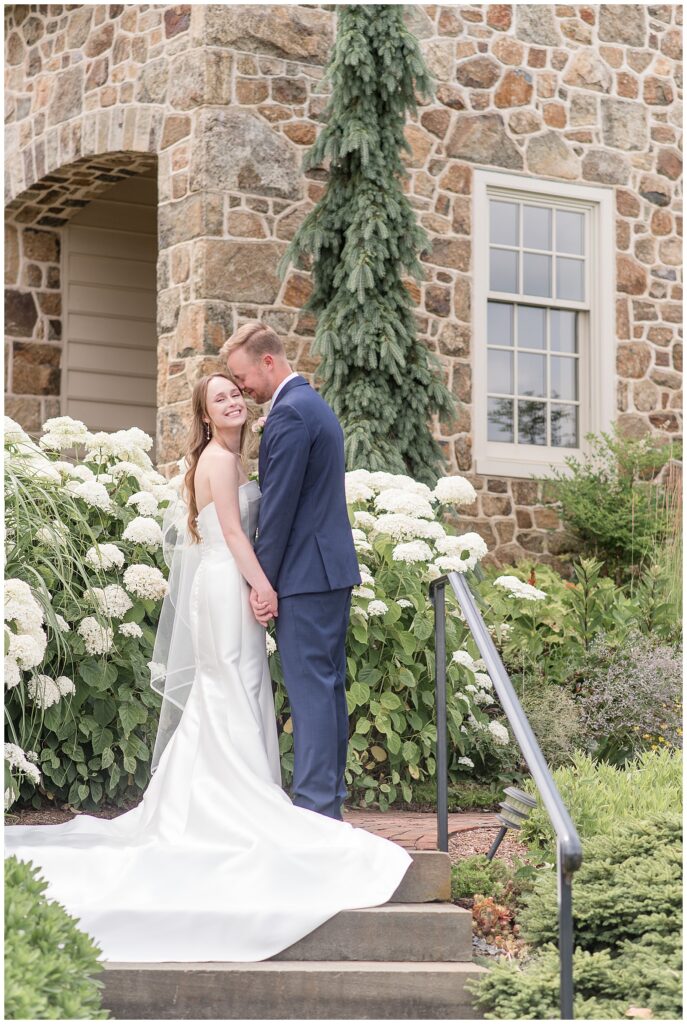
[49, 963]
[627, 913]
[630, 697]
[473, 876]
[606, 987]
[79, 619]
[555, 721]
[600, 796]
[403, 545]
[609, 501]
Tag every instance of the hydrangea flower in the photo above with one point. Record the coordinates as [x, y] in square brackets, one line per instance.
[27, 649]
[43, 691]
[112, 600]
[363, 592]
[105, 556]
[22, 607]
[144, 502]
[11, 673]
[98, 639]
[62, 432]
[483, 679]
[463, 658]
[452, 563]
[520, 589]
[62, 624]
[270, 644]
[145, 581]
[131, 629]
[18, 760]
[14, 433]
[406, 502]
[466, 761]
[145, 531]
[499, 733]
[364, 520]
[454, 490]
[357, 491]
[414, 551]
[377, 608]
[404, 603]
[93, 493]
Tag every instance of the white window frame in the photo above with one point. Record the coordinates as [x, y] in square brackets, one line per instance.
[597, 376]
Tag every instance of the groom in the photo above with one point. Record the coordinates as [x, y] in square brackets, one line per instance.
[305, 547]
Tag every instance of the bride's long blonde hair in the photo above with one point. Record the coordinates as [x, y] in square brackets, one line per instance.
[197, 443]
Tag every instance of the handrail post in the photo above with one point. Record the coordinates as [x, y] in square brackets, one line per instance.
[442, 745]
[565, 939]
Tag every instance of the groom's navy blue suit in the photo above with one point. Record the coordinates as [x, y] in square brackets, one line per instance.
[305, 547]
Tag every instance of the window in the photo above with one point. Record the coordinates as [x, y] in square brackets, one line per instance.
[543, 340]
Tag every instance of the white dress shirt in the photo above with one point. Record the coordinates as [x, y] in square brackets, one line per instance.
[280, 386]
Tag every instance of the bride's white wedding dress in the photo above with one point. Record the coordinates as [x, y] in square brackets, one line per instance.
[215, 863]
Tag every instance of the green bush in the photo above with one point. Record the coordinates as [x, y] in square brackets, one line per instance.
[79, 622]
[601, 797]
[606, 986]
[476, 875]
[609, 500]
[628, 886]
[627, 912]
[49, 963]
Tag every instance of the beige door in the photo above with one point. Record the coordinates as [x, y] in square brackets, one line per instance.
[110, 360]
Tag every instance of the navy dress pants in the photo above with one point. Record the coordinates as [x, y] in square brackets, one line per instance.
[311, 637]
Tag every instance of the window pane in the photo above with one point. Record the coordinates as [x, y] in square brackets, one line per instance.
[499, 323]
[536, 228]
[570, 232]
[503, 223]
[531, 374]
[564, 426]
[500, 419]
[564, 377]
[531, 327]
[569, 279]
[500, 374]
[532, 422]
[503, 275]
[536, 274]
[563, 330]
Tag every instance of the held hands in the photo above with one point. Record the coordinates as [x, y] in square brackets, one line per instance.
[264, 604]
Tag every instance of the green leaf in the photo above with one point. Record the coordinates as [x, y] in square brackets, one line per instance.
[390, 701]
[101, 738]
[363, 725]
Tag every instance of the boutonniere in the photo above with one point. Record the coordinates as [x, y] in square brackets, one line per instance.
[259, 425]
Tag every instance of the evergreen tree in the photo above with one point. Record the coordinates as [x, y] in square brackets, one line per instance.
[382, 382]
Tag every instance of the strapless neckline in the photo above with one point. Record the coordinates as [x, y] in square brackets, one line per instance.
[241, 486]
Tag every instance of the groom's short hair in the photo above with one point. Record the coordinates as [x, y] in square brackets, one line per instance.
[256, 339]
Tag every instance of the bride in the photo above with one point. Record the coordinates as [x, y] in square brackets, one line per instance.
[215, 863]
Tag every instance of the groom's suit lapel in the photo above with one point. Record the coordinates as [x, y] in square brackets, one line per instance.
[295, 383]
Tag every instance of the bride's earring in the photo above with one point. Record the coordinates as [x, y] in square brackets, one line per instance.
[208, 434]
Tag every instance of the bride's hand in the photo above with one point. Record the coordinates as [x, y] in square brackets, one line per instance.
[264, 603]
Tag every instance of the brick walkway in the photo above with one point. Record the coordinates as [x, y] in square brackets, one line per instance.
[416, 830]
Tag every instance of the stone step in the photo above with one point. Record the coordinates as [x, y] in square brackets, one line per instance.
[427, 880]
[289, 990]
[395, 931]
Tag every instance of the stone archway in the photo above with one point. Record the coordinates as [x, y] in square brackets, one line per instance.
[35, 226]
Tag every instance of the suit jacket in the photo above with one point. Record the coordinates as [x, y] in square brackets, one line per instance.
[304, 542]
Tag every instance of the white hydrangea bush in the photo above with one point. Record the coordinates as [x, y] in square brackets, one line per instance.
[403, 542]
[85, 581]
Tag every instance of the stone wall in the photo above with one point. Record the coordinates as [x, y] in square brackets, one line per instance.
[227, 98]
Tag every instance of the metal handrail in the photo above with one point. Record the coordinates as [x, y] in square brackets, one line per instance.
[569, 847]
